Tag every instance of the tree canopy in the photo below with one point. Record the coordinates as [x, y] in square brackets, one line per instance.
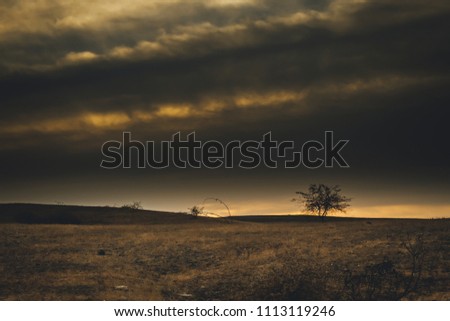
[321, 199]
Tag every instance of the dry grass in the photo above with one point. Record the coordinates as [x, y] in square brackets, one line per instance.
[201, 260]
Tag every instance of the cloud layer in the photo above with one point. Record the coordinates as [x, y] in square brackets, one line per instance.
[76, 73]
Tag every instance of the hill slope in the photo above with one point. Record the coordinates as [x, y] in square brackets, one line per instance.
[69, 214]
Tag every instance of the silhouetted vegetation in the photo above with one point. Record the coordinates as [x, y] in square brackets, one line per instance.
[322, 200]
[195, 211]
[134, 206]
[198, 210]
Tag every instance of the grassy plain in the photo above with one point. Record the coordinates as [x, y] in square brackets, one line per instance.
[118, 254]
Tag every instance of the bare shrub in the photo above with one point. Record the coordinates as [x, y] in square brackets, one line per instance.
[380, 281]
[134, 206]
[195, 211]
[416, 250]
[384, 281]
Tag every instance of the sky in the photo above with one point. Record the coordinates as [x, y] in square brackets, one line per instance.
[75, 74]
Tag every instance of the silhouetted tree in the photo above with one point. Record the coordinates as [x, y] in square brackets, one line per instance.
[322, 199]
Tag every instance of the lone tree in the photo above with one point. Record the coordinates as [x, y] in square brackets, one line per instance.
[322, 199]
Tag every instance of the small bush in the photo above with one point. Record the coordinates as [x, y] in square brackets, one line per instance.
[383, 281]
[380, 281]
[195, 211]
[135, 206]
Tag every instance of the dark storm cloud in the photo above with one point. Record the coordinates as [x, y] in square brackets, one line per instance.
[52, 29]
[375, 72]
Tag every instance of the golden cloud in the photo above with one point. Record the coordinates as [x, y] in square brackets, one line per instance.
[43, 17]
[79, 57]
[208, 106]
[84, 121]
[174, 111]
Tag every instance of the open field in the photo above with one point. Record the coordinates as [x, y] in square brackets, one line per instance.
[117, 254]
